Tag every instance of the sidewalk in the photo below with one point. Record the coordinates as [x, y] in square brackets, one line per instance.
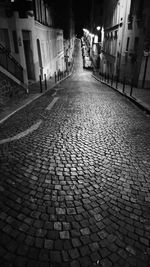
[141, 97]
[34, 92]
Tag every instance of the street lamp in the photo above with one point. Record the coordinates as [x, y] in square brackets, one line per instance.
[98, 28]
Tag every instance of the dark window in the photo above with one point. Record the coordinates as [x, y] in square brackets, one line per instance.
[131, 7]
[127, 46]
[45, 14]
[40, 11]
[15, 41]
[34, 9]
[140, 7]
[136, 43]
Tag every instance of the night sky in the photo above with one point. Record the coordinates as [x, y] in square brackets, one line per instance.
[82, 9]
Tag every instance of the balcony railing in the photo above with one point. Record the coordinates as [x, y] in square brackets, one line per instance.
[130, 19]
[10, 64]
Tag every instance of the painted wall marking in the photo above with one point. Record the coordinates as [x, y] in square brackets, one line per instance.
[49, 107]
[22, 134]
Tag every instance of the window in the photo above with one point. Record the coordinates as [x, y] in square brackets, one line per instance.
[140, 8]
[127, 46]
[131, 7]
[136, 43]
[116, 34]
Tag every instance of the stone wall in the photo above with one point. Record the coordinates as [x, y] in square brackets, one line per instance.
[9, 90]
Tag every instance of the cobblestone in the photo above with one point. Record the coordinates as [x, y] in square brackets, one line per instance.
[64, 235]
[76, 191]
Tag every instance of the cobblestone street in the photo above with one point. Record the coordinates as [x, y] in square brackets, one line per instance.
[75, 179]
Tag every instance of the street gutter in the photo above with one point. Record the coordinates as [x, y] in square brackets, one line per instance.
[136, 101]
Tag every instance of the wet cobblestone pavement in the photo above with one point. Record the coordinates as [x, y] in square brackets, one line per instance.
[76, 192]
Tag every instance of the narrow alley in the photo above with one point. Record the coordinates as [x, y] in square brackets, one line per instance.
[75, 179]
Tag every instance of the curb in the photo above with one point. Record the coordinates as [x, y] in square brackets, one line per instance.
[136, 101]
[33, 99]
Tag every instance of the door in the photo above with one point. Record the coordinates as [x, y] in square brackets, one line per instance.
[40, 57]
[28, 54]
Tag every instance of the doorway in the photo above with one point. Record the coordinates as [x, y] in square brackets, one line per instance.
[40, 57]
[28, 54]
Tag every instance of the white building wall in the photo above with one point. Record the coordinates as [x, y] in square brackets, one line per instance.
[50, 39]
[12, 24]
[24, 25]
[47, 42]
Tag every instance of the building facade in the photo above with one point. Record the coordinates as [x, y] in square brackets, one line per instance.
[94, 37]
[27, 31]
[64, 18]
[126, 44]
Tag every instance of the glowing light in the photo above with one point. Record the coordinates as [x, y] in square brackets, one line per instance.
[95, 39]
[86, 31]
[91, 35]
[102, 35]
[98, 28]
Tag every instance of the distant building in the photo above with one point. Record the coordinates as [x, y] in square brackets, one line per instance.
[126, 45]
[64, 18]
[27, 32]
[96, 17]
